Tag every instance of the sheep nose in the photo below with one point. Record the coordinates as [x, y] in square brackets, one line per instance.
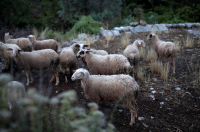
[78, 56]
[72, 78]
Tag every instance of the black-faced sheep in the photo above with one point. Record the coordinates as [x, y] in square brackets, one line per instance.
[163, 49]
[109, 88]
[38, 60]
[24, 43]
[43, 44]
[132, 53]
[105, 65]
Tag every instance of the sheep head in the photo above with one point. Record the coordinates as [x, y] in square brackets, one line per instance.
[79, 74]
[82, 53]
[7, 36]
[151, 36]
[141, 43]
[14, 50]
[31, 38]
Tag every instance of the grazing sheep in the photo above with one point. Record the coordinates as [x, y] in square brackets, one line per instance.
[110, 88]
[15, 91]
[68, 59]
[24, 43]
[46, 58]
[105, 65]
[132, 53]
[163, 49]
[6, 53]
[43, 44]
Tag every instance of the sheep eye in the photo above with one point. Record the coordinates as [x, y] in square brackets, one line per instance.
[150, 35]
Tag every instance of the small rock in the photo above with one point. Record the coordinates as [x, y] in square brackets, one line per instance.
[152, 117]
[56, 91]
[178, 89]
[145, 125]
[151, 88]
[120, 110]
[153, 91]
[134, 24]
[154, 79]
[140, 118]
[143, 23]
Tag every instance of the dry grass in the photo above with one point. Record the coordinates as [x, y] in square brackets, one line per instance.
[177, 45]
[89, 40]
[125, 40]
[156, 67]
[43, 34]
[108, 39]
[35, 32]
[151, 55]
[165, 72]
[140, 73]
[189, 42]
[142, 52]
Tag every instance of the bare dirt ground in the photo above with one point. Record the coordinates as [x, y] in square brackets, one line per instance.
[172, 110]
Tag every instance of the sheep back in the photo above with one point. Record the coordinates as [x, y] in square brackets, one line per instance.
[107, 64]
[40, 59]
[110, 87]
[46, 44]
[67, 58]
[24, 43]
[166, 49]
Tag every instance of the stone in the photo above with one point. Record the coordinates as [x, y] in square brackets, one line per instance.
[162, 27]
[134, 24]
[143, 23]
[82, 36]
[116, 32]
[143, 29]
[104, 32]
[132, 29]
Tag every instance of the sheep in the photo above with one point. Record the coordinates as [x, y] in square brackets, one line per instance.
[24, 43]
[105, 65]
[43, 44]
[132, 53]
[15, 91]
[6, 53]
[40, 59]
[68, 59]
[163, 49]
[109, 88]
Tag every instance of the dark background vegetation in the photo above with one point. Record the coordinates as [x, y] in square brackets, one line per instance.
[63, 14]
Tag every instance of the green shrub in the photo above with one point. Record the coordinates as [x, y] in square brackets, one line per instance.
[86, 25]
[38, 113]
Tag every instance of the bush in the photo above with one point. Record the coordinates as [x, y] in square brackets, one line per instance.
[37, 113]
[86, 24]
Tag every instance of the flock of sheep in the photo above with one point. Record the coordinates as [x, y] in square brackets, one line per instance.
[107, 76]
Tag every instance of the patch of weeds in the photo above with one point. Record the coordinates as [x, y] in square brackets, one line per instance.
[177, 45]
[156, 67]
[125, 40]
[189, 42]
[142, 52]
[151, 55]
[165, 72]
[108, 39]
[140, 73]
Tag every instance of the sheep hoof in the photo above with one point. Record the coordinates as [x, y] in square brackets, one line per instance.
[56, 84]
[130, 124]
[27, 84]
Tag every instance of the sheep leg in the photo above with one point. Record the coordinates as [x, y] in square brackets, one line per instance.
[27, 77]
[133, 112]
[57, 78]
[52, 78]
[166, 59]
[173, 59]
[66, 81]
[31, 77]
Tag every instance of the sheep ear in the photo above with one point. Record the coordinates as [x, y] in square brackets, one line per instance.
[20, 50]
[77, 45]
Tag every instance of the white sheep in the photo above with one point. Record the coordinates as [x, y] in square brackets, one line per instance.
[43, 44]
[6, 52]
[109, 88]
[24, 43]
[163, 49]
[132, 52]
[105, 65]
[68, 59]
[40, 59]
[15, 90]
